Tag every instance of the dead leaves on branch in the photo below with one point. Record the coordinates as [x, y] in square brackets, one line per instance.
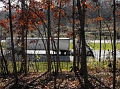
[91, 7]
[33, 15]
[26, 18]
[5, 24]
[63, 1]
[97, 19]
[56, 13]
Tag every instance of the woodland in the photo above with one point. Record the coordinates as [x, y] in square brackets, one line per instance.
[74, 19]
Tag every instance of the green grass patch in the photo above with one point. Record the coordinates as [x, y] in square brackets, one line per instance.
[106, 46]
[3, 45]
[41, 66]
[65, 66]
[71, 45]
[96, 46]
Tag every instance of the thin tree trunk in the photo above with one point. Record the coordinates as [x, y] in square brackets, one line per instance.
[26, 71]
[114, 63]
[100, 43]
[2, 66]
[99, 14]
[97, 3]
[48, 40]
[58, 59]
[110, 37]
[24, 60]
[74, 48]
[81, 11]
[12, 44]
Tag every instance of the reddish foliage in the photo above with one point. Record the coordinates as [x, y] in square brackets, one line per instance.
[4, 24]
[28, 18]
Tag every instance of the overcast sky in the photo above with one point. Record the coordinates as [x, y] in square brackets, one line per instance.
[14, 2]
[1, 5]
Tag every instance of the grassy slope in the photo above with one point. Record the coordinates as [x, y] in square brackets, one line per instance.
[107, 46]
[96, 46]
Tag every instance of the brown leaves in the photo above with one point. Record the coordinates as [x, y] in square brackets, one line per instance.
[97, 19]
[83, 1]
[100, 18]
[69, 34]
[117, 12]
[56, 14]
[52, 6]
[4, 24]
[21, 22]
[58, 11]
[91, 7]
[31, 17]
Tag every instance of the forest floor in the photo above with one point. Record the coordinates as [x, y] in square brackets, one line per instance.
[98, 79]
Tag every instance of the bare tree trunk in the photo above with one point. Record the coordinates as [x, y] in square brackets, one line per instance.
[24, 59]
[2, 66]
[110, 38]
[97, 3]
[79, 56]
[12, 44]
[100, 42]
[48, 41]
[58, 59]
[81, 11]
[26, 71]
[114, 63]
[74, 48]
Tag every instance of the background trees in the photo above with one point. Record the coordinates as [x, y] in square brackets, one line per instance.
[59, 18]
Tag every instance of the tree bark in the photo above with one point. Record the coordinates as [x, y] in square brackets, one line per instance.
[100, 30]
[12, 44]
[81, 11]
[114, 62]
[48, 40]
[24, 59]
[58, 59]
[74, 48]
